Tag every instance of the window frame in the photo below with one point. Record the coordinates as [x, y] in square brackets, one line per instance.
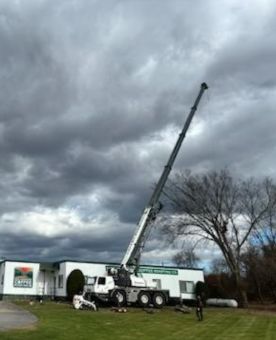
[187, 285]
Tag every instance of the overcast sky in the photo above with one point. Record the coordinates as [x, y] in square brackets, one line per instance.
[93, 96]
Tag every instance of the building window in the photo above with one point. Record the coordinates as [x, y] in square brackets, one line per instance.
[2, 279]
[90, 280]
[186, 286]
[158, 283]
[60, 281]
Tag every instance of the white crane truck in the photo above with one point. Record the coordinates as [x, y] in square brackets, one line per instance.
[122, 286]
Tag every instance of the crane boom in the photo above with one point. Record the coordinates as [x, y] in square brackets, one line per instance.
[132, 255]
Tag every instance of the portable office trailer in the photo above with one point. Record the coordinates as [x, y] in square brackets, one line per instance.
[179, 281]
[26, 279]
[20, 279]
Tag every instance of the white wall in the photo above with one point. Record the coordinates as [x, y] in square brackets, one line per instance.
[190, 275]
[171, 282]
[61, 291]
[88, 269]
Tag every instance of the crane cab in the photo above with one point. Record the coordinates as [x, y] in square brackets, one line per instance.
[99, 284]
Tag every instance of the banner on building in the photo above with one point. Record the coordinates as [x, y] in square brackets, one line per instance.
[23, 277]
[154, 270]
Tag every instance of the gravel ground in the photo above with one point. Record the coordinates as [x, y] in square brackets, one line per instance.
[12, 317]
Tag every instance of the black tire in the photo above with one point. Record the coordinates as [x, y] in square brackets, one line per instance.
[144, 299]
[158, 300]
[119, 298]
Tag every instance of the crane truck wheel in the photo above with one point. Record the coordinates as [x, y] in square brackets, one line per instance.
[119, 297]
[144, 299]
[158, 300]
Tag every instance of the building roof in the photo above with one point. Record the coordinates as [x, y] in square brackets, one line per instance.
[51, 265]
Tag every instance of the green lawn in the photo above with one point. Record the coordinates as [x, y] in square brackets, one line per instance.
[60, 321]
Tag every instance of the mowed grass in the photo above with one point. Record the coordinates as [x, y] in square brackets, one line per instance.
[60, 321]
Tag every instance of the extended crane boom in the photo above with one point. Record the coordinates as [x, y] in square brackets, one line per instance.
[120, 286]
[132, 255]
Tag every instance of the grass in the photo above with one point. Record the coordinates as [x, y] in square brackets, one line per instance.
[60, 321]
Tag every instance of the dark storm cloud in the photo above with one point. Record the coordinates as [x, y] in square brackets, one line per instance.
[91, 92]
[71, 246]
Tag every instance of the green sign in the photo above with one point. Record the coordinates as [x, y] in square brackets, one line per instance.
[162, 271]
[23, 277]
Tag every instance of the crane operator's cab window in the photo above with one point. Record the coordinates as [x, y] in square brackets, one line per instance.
[101, 281]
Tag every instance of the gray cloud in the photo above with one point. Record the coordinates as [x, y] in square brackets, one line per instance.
[94, 94]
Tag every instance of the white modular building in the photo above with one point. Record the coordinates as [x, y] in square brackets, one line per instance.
[63, 279]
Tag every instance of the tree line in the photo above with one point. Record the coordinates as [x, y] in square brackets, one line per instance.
[236, 215]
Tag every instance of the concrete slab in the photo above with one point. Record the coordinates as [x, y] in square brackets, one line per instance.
[12, 317]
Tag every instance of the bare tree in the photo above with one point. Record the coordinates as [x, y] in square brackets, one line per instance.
[218, 208]
[252, 261]
[260, 258]
[186, 258]
[265, 232]
[219, 266]
[260, 267]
